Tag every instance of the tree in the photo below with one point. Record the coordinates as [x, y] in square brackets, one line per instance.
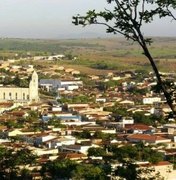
[24, 157]
[103, 136]
[59, 169]
[140, 117]
[85, 134]
[88, 172]
[127, 18]
[16, 80]
[165, 8]
[25, 174]
[139, 152]
[56, 122]
[32, 116]
[118, 112]
[96, 151]
[24, 83]
[129, 170]
[125, 152]
[10, 161]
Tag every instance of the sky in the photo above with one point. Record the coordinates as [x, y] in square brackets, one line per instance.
[53, 19]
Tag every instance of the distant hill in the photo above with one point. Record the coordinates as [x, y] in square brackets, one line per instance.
[161, 47]
[113, 53]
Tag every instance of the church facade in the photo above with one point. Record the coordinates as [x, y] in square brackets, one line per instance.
[21, 95]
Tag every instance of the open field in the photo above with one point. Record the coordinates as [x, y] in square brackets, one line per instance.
[114, 54]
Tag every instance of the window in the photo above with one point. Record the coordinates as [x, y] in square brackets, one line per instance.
[4, 95]
[23, 96]
[16, 96]
[10, 95]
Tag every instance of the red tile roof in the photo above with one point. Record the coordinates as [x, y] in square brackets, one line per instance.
[145, 137]
[66, 155]
[17, 113]
[161, 163]
[137, 126]
[6, 104]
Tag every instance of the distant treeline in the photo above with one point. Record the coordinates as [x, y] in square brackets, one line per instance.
[91, 49]
[7, 44]
[103, 66]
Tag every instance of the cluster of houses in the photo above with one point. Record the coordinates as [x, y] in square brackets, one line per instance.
[57, 140]
[50, 58]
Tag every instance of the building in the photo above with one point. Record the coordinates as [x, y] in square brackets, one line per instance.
[54, 84]
[151, 100]
[135, 138]
[21, 95]
[49, 84]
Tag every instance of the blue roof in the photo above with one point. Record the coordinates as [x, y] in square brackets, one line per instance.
[54, 82]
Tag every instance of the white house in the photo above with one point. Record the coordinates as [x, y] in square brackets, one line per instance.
[151, 100]
[70, 85]
[77, 148]
[56, 57]
[43, 138]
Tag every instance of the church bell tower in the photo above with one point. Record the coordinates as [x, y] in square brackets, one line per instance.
[33, 87]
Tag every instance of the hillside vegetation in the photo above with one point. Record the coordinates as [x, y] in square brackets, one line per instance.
[107, 54]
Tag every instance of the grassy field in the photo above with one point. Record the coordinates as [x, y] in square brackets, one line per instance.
[116, 54]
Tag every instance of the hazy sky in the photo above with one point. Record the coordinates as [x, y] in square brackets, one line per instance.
[52, 19]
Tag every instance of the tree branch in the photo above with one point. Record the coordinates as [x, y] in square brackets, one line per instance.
[115, 30]
[142, 12]
[171, 14]
[135, 10]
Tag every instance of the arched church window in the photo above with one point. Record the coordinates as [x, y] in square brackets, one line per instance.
[10, 95]
[4, 95]
[23, 95]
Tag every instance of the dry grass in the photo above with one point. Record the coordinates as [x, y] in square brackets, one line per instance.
[116, 52]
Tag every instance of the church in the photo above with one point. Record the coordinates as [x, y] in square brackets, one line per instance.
[21, 95]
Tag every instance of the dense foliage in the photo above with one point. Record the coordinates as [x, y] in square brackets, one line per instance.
[10, 160]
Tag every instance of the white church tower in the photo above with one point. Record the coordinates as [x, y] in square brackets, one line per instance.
[33, 88]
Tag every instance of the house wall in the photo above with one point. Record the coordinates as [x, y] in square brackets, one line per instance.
[109, 131]
[151, 100]
[40, 140]
[166, 171]
[72, 87]
[14, 133]
[40, 152]
[18, 94]
[21, 94]
[163, 141]
[67, 83]
[56, 108]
